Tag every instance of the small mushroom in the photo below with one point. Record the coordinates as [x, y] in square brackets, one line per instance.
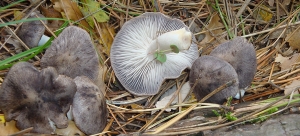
[132, 52]
[31, 32]
[72, 54]
[242, 57]
[89, 107]
[212, 73]
[33, 97]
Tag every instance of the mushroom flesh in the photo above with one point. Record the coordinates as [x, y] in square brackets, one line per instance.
[89, 106]
[212, 73]
[132, 52]
[72, 54]
[242, 57]
[33, 97]
[31, 32]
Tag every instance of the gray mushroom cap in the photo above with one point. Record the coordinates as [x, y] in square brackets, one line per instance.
[241, 55]
[33, 97]
[212, 73]
[139, 72]
[72, 54]
[31, 32]
[89, 106]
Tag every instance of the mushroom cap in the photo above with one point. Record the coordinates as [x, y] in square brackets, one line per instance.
[242, 57]
[33, 97]
[137, 71]
[31, 32]
[72, 54]
[212, 73]
[89, 106]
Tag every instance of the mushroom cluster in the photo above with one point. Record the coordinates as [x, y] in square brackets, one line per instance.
[149, 49]
[232, 60]
[69, 76]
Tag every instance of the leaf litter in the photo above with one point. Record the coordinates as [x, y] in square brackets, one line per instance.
[260, 22]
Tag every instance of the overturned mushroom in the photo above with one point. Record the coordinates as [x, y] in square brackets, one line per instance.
[137, 48]
[241, 55]
[34, 98]
[72, 54]
[212, 73]
[31, 32]
[89, 107]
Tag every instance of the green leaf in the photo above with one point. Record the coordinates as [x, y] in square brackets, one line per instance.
[160, 56]
[174, 48]
[93, 7]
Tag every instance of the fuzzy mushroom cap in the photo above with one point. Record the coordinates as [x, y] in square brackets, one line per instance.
[89, 107]
[72, 54]
[241, 55]
[212, 73]
[139, 72]
[31, 32]
[33, 97]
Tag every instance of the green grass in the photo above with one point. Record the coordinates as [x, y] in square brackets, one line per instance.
[26, 55]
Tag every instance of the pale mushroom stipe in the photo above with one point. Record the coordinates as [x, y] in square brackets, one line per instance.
[138, 45]
[212, 73]
[33, 97]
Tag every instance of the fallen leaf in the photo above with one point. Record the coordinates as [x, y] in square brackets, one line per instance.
[106, 37]
[291, 87]
[18, 15]
[263, 15]
[71, 11]
[50, 12]
[293, 39]
[211, 31]
[71, 130]
[213, 24]
[287, 62]
[8, 128]
[271, 2]
[93, 7]
[166, 97]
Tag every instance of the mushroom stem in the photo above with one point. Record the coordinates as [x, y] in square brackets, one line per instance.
[180, 38]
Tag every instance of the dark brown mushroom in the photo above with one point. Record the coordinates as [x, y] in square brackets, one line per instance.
[242, 57]
[89, 106]
[212, 73]
[72, 54]
[31, 32]
[33, 97]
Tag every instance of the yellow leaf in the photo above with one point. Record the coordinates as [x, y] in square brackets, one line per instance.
[106, 38]
[18, 15]
[8, 128]
[263, 14]
[71, 11]
[2, 118]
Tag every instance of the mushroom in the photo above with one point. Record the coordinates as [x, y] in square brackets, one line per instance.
[212, 73]
[31, 32]
[72, 54]
[89, 106]
[242, 57]
[34, 98]
[133, 52]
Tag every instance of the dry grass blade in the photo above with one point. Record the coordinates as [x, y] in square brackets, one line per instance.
[178, 117]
